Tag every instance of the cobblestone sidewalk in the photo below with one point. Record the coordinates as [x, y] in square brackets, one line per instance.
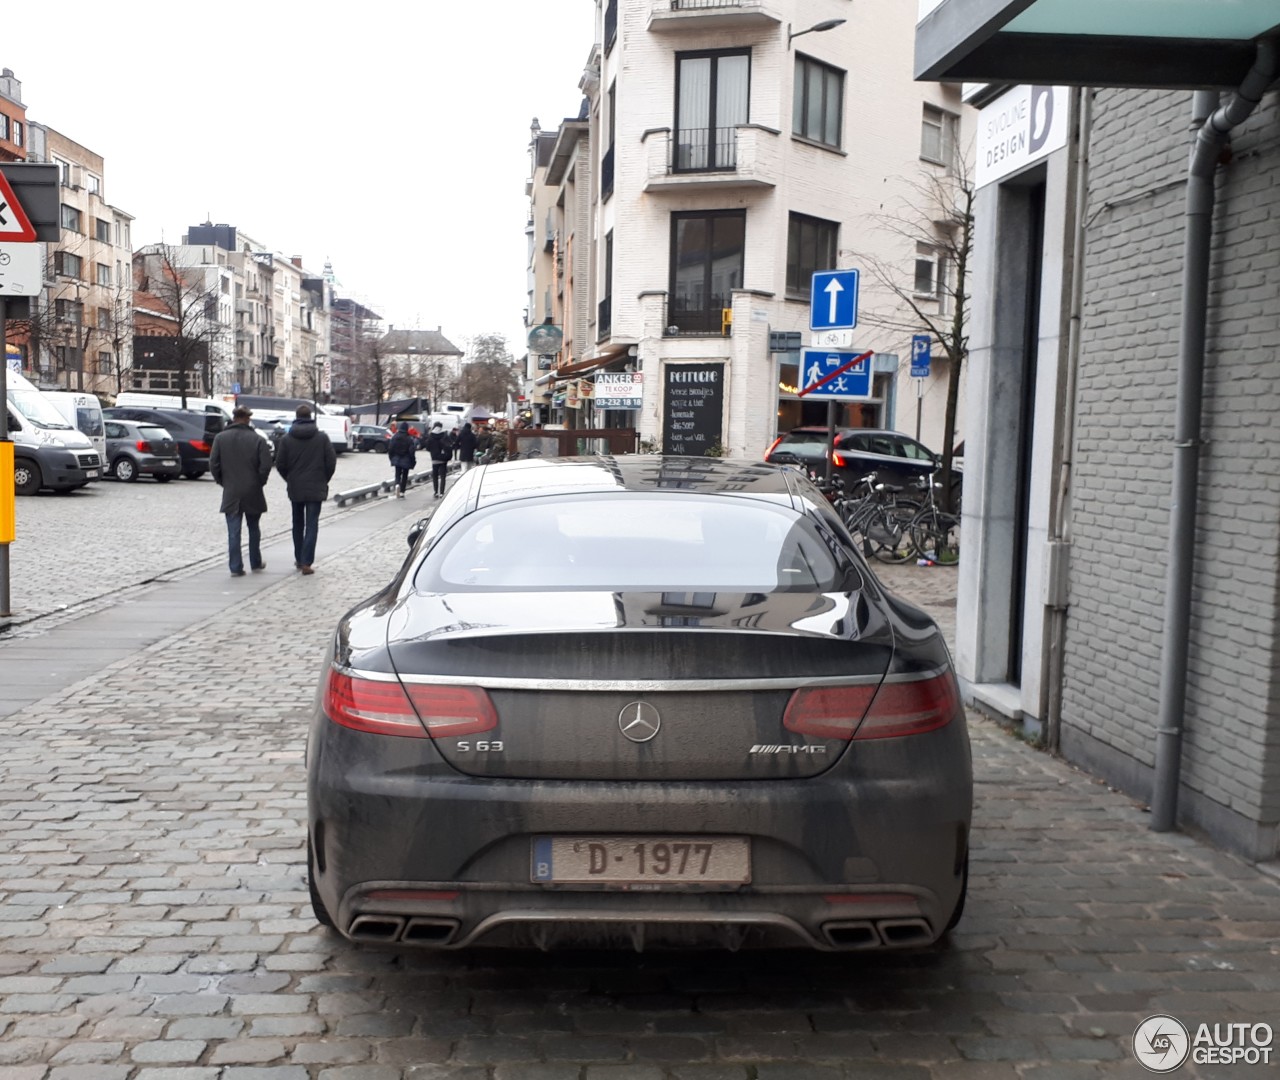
[154, 922]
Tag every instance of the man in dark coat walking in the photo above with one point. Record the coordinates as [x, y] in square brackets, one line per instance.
[306, 459]
[400, 454]
[440, 448]
[467, 446]
[240, 461]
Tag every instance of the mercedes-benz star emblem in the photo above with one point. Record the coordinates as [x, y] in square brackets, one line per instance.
[639, 721]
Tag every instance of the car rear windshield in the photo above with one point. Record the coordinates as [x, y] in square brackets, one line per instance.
[154, 434]
[806, 438]
[651, 543]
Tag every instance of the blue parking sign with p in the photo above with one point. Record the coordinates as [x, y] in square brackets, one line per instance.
[920, 355]
[833, 300]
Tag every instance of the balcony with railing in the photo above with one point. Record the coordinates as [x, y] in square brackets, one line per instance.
[677, 16]
[744, 156]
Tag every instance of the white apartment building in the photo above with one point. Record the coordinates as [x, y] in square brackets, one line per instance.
[733, 148]
[82, 334]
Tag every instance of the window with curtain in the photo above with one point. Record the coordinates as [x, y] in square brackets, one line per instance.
[712, 99]
[811, 246]
[817, 107]
[707, 251]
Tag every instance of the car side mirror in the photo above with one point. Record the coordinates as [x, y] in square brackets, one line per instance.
[418, 528]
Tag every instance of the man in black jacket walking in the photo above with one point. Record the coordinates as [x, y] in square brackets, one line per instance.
[306, 459]
[440, 447]
[240, 461]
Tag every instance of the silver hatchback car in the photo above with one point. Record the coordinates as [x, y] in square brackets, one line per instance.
[138, 449]
[639, 701]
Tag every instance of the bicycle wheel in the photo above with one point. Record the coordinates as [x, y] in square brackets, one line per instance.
[936, 536]
[887, 537]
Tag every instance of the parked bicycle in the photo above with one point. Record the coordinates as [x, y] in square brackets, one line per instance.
[935, 533]
[879, 516]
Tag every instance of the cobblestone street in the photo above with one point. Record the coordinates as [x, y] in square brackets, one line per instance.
[154, 922]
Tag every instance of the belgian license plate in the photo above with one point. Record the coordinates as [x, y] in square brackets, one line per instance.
[92, 474]
[630, 860]
[168, 463]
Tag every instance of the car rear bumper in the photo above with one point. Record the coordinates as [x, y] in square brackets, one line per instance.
[868, 855]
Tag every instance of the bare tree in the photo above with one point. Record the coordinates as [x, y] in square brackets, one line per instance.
[185, 295]
[381, 371]
[939, 219]
[489, 375]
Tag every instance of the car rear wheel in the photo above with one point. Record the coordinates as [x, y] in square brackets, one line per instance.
[162, 478]
[379, 448]
[26, 477]
[193, 475]
[126, 469]
[317, 905]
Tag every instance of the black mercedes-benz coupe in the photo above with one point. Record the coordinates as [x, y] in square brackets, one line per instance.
[641, 701]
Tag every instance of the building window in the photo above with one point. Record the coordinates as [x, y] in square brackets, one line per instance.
[706, 266]
[937, 135]
[70, 218]
[104, 274]
[104, 363]
[712, 99]
[103, 230]
[818, 103]
[70, 311]
[95, 184]
[104, 319]
[610, 24]
[64, 172]
[931, 274]
[811, 246]
[17, 133]
[4, 126]
[67, 265]
[604, 322]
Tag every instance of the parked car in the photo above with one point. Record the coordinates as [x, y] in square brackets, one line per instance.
[370, 437]
[643, 700]
[193, 431]
[136, 449]
[894, 457]
[48, 452]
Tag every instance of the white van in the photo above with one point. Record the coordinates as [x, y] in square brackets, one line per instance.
[84, 412]
[47, 451]
[138, 400]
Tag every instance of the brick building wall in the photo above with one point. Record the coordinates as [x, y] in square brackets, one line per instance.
[1121, 489]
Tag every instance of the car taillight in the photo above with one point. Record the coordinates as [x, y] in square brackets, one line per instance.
[838, 459]
[423, 712]
[199, 447]
[144, 447]
[772, 447]
[899, 707]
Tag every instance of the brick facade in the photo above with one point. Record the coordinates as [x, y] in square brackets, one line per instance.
[1121, 488]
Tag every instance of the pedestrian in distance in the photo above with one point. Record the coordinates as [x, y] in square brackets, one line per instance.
[306, 459]
[440, 448]
[466, 446]
[240, 461]
[400, 454]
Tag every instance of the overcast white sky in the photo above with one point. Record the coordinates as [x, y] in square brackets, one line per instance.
[389, 137]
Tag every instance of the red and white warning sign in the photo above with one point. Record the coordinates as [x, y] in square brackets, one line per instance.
[15, 226]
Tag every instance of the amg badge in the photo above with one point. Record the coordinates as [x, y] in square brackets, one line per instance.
[769, 748]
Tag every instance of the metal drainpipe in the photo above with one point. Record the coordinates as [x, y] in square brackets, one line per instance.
[1213, 135]
[1061, 528]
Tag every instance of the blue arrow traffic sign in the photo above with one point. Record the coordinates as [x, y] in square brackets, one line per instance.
[833, 300]
[920, 355]
[817, 364]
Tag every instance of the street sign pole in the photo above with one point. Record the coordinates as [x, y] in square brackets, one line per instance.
[7, 501]
[831, 437]
[919, 405]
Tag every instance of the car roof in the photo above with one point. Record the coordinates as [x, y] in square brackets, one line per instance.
[532, 477]
[810, 428]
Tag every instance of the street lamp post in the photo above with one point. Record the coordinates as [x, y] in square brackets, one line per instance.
[816, 28]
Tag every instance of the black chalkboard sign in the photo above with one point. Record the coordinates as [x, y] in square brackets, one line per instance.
[692, 408]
